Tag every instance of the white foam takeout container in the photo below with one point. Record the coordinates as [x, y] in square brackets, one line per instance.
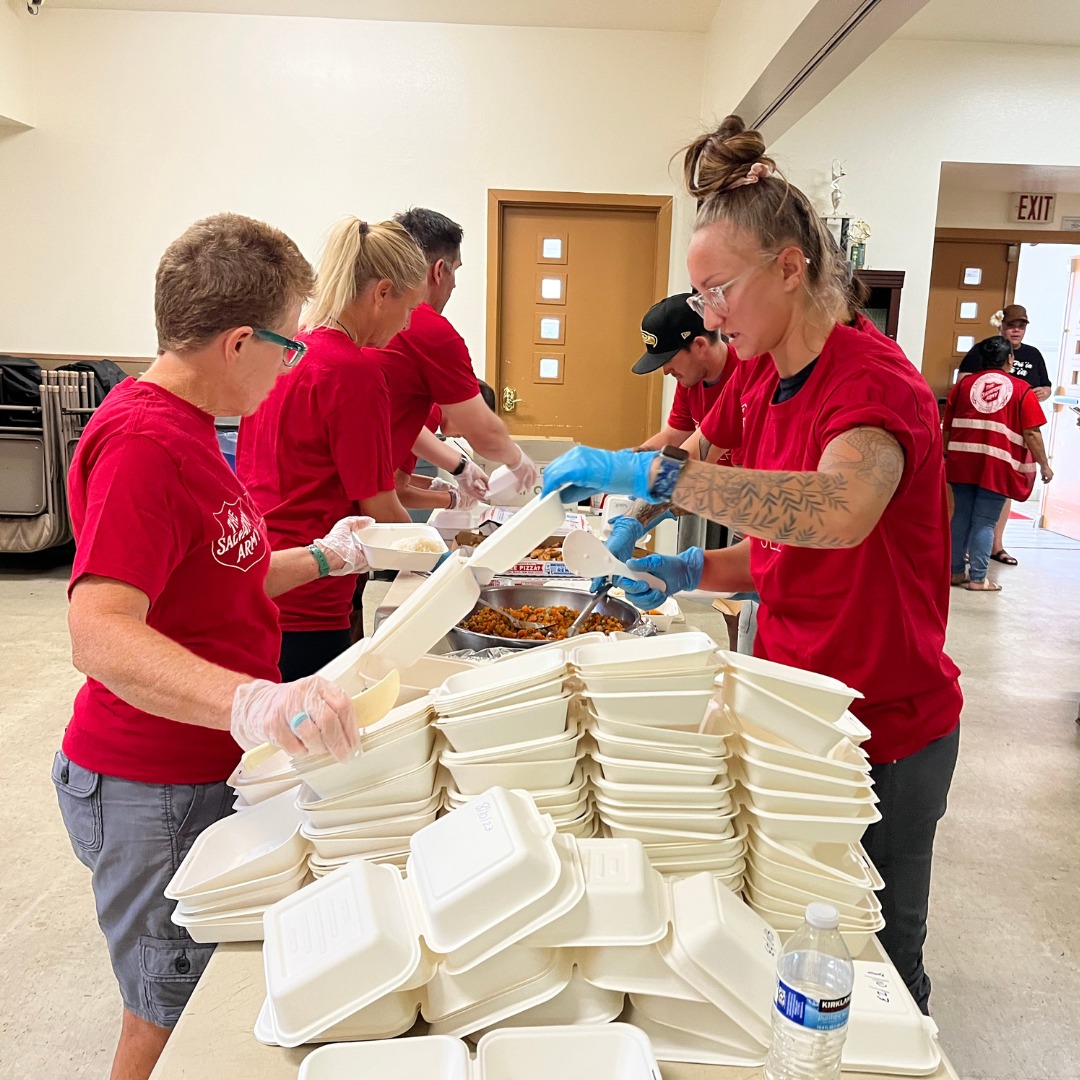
[650, 684]
[407, 787]
[797, 802]
[502, 677]
[671, 708]
[361, 816]
[847, 864]
[479, 879]
[801, 781]
[618, 746]
[636, 771]
[801, 729]
[474, 778]
[845, 761]
[510, 543]
[495, 703]
[671, 795]
[646, 656]
[523, 722]
[378, 542]
[709, 742]
[822, 696]
[240, 849]
[579, 1002]
[812, 828]
[552, 747]
[579, 1052]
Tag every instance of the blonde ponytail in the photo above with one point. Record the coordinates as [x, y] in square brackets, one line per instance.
[356, 256]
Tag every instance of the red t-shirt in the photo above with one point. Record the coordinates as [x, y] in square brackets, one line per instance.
[692, 404]
[154, 505]
[432, 424]
[874, 615]
[986, 415]
[426, 364]
[315, 447]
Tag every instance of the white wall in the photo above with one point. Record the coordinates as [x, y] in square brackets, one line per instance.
[148, 121]
[914, 104]
[16, 92]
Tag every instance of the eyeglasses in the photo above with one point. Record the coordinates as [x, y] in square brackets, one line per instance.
[294, 350]
[714, 297]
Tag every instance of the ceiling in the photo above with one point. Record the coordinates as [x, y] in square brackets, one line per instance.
[1019, 22]
[693, 16]
[976, 176]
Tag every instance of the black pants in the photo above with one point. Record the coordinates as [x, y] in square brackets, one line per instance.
[303, 652]
[913, 792]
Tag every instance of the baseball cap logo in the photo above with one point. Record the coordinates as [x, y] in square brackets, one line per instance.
[649, 339]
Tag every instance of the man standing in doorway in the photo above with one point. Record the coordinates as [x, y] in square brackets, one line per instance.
[1027, 364]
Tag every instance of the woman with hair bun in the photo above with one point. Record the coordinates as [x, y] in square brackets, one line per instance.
[842, 498]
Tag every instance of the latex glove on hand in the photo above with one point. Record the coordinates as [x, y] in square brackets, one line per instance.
[343, 541]
[473, 481]
[310, 714]
[591, 472]
[526, 473]
[679, 573]
[625, 533]
[459, 500]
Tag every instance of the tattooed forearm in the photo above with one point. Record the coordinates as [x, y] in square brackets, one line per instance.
[648, 513]
[837, 506]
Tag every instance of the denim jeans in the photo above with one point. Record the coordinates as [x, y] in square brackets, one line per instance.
[975, 513]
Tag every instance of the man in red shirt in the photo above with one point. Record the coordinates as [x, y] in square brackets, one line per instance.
[699, 360]
[428, 364]
[171, 616]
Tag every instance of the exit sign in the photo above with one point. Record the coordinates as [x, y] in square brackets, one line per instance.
[1033, 207]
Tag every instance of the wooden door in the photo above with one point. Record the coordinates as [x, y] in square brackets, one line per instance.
[969, 281]
[572, 284]
[1061, 501]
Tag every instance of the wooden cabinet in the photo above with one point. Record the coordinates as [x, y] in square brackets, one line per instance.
[883, 306]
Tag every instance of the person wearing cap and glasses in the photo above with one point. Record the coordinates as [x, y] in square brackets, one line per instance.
[1027, 364]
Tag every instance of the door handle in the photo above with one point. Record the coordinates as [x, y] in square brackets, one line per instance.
[510, 400]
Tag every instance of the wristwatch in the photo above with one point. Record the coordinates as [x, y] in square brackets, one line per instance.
[670, 461]
[461, 465]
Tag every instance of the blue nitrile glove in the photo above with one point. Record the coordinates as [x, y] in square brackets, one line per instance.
[679, 573]
[625, 533]
[592, 472]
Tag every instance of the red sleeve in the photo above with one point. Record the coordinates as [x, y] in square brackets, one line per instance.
[1031, 411]
[137, 517]
[449, 370]
[355, 400]
[873, 399]
[722, 424]
[679, 417]
[434, 419]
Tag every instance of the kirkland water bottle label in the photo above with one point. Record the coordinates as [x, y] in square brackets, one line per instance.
[818, 1014]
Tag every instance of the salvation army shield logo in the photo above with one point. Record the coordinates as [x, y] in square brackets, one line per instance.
[241, 544]
[991, 391]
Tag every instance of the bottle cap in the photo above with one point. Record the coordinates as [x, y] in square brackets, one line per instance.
[822, 916]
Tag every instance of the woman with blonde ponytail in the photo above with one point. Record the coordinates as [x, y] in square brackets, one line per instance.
[842, 499]
[320, 443]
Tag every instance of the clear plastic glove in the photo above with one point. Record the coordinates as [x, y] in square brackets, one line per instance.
[310, 714]
[526, 472]
[473, 481]
[591, 472]
[459, 499]
[678, 572]
[342, 540]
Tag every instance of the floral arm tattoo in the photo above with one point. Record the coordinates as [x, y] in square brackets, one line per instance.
[835, 507]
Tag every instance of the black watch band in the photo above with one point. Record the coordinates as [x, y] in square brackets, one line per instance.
[461, 465]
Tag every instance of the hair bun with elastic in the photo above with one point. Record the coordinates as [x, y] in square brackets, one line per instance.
[723, 159]
[365, 228]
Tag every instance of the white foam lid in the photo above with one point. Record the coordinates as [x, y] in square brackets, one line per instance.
[538, 519]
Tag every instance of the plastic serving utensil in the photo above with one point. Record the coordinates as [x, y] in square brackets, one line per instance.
[587, 557]
[370, 705]
[575, 627]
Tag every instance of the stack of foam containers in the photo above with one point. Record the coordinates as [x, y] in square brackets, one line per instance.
[660, 765]
[510, 724]
[502, 924]
[806, 794]
[370, 805]
[238, 867]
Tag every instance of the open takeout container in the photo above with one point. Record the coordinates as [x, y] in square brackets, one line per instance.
[821, 695]
[380, 545]
[664, 655]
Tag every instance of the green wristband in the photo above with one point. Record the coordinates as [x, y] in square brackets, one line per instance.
[319, 556]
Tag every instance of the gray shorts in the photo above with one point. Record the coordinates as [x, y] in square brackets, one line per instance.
[133, 837]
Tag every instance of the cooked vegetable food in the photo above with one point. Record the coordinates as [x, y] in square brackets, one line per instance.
[551, 623]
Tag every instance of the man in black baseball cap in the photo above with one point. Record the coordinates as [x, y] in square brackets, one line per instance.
[700, 361]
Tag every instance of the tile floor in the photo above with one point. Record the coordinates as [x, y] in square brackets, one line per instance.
[1004, 937]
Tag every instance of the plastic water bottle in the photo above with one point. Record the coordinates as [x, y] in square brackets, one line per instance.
[814, 977]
